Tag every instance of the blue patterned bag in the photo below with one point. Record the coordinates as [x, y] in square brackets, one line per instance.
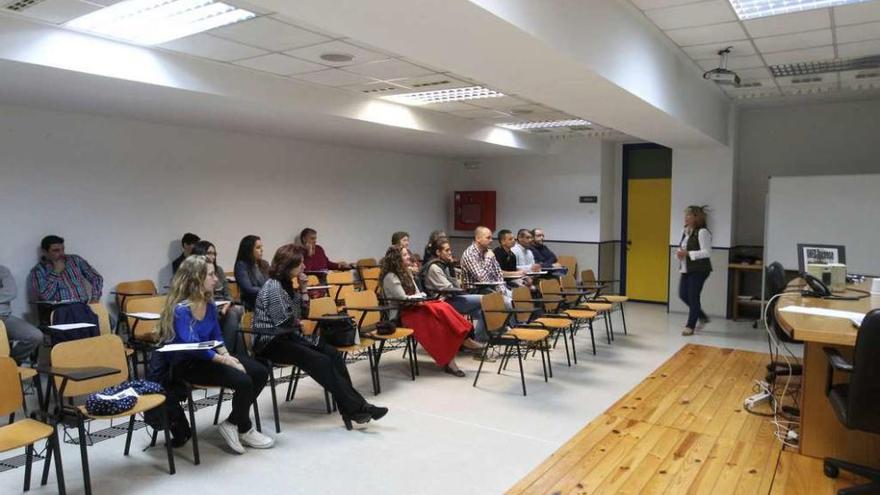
[120, 398]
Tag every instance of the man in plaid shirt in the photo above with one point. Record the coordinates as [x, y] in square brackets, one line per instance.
[478, 263]
[60, 277]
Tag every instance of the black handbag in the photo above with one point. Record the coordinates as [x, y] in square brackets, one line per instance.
[338, 332]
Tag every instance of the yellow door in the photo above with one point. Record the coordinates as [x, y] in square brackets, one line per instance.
[647, 258]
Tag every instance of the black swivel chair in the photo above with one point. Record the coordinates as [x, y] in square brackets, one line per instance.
[857, 403]
[775, 284]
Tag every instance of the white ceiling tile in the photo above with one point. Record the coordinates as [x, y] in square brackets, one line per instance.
[205, 45]
[526, 111]
[484, 113]
[695, 14]
[860, 49]
[389, 69]
[740, 48]
[58, 11]
[754, 74]
[857, 13]
[796, 41]
[377, 89]
[729, 31]
[499, 103]
[733, 63]
[657, 4]
[335, 77]
[805, 55]
[789, 23]
[449, 106]
[305, 25]
[372, 48]
[858, 32]
[282, 65]
[432, 82]
[268, 33]
[313, 53]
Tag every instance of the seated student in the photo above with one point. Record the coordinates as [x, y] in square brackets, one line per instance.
[186, 243]
[401, 239]
[24, 338]
[251, 271]
[542, 254]
[190, 316]
[279, 306]
[439, 274]
[63, 277]
[525, 260]
[437, 326]
[230, 314]
[314, 258]
[507, 260]
[432, 239]
[478, 263]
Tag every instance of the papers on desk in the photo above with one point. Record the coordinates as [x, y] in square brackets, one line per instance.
[144, 316]
[542, 272]
[318, 287]
[71, 326]
[220, 304]
[194, 346]
[855, 318]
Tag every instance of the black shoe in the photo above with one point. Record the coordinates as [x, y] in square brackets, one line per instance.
[358, 417]
[376, 412]
[458, 373]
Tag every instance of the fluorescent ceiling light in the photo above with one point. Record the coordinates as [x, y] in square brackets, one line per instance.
[838, 65]
[444, 95]
[751, 9]
[547, 124]
[152, 22]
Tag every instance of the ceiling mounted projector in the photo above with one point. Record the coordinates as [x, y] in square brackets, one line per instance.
[721, 74]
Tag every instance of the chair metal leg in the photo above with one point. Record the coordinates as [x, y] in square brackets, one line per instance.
[47, 462]
[257, 424]
[574, 353]
[483, 360]
[415, 355]
[291, 393]
[543, 361]
[592, 337]
[549, 363]
[607, 331]
[84, 456]
[372, 368]
[59, 469]
[502, 362]
[195, 433]
[219, 403]
[28, 459]
[128, 433]
[522, 374]
[327, 402]
[412, 366]
[623, 318]
[274, 401]
[166, 427]
[610, 324]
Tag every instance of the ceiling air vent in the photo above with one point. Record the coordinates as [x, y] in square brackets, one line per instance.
[580, 128]
[20, 5]
[540, 131]
[806, 80]
[867, 75]
[751, 84]
[379, 89]
[428, 84]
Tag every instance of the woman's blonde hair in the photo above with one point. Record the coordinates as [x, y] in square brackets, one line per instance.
[699, 213]
[188, 284]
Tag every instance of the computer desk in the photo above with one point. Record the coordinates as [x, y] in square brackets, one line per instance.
[821, 434]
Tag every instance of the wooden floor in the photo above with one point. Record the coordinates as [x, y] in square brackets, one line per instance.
[683, 430]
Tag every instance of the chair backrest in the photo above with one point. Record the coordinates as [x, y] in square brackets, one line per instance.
[367, 262]
[10, 386]
[569, 284]
[493, 302]
[370, 276]
[569, 262]
[145, 329]
[322, 306]
[234, 291]
[550, 289]
[522, 299]
[588, 277]
[864, 383]
[4, 343]
[363, 298]
[103, 317]
[775, 279]
[103, 350]
[247, 323]
[336, 280]
[134, 289]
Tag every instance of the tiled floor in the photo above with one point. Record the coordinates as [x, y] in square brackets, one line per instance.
[441, 436]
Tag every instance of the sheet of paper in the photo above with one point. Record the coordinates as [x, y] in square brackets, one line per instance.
[129, 392]
[71, 326]
[220, 304]
[854, 317]
[195, 346]
[145, 316]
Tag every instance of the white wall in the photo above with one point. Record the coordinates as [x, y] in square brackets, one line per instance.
[121, 192]
[703, 177]
[817, 139]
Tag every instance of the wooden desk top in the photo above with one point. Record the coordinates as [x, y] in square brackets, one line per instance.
[823, 329]
[746, 266]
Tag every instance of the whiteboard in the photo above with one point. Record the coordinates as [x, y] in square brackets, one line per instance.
[824, 209]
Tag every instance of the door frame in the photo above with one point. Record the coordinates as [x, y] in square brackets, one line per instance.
[624, 211]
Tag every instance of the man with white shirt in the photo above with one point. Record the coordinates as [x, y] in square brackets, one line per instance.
[525, 260]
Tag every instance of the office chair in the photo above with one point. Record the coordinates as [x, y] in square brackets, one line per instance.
[855, 403]
[775, 284]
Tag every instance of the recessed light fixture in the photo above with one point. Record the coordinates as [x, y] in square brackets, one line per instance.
[152, 22]
[337, 57]
[547, 124]
[837, 65]
[751, 9]
[444, 95]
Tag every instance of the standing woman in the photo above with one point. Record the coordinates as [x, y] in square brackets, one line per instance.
[230, 314]
[279, 308]
[190, 316]
[437, 326]
[693, 255]
[251, 271]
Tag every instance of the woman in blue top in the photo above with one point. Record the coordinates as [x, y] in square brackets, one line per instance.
[190, 316]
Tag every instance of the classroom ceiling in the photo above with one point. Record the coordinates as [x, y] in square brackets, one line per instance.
[702, 28]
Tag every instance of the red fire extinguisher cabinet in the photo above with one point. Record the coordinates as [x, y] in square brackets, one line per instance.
[474, 208]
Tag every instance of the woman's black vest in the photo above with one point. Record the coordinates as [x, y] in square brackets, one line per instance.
[696, 266]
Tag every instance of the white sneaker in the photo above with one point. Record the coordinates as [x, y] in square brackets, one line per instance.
[229, 432]
[256, 440]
